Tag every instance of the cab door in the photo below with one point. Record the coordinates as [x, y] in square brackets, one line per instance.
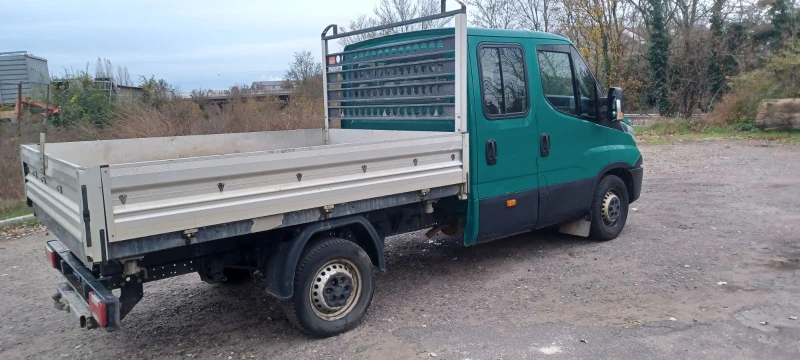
[572, 141]
[504, 134]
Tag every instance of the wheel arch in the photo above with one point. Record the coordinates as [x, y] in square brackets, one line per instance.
[622, 170]
[283, 257]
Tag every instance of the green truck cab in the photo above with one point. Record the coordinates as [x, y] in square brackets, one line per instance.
[546, 145]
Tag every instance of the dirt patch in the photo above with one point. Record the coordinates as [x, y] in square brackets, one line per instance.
[768, 319]
[785, 264]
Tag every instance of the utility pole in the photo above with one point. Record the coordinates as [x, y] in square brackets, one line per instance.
[47, 105]
[19, 108]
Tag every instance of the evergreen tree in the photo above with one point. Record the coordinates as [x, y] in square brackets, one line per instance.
[658, 56]
[716, 75]
[781, 18]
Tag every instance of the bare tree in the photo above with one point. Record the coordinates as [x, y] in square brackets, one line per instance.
[494, 14]
[538, 15]
[123, 76]
[303, 69]
[392, 11]
[119, 79]
[104, 69]
[126, 76]
[99, 70]
[109, 69]
[362, 22]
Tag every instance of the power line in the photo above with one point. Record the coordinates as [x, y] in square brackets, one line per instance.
[229, 72]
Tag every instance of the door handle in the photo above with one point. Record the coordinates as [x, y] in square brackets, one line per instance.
[491, 152]
[544, 145]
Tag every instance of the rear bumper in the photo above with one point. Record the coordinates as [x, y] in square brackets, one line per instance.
[73, 295]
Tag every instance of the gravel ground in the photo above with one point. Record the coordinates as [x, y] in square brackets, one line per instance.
[707, 268]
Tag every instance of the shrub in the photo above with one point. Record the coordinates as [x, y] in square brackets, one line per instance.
[81, 101]
[780, 78]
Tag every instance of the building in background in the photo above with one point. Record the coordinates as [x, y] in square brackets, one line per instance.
[19, 66]
[129, 94]
[267, 86]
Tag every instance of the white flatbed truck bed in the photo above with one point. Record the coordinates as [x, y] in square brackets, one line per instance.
[113, 199]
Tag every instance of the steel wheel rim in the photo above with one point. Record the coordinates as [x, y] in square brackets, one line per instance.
[612, 208]
[328, 295]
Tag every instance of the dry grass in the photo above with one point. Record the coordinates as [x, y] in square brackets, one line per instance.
[187, 118]
[10, 173]
[12, 193]
[175, 118]
[666, 130]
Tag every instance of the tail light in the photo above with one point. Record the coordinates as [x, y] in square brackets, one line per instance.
[98, 309]
[51, 257]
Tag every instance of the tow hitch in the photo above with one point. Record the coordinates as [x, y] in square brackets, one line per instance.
[83, 295]
[68, 300]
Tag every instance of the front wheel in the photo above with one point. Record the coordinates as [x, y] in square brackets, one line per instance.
[609, 208]
[333, 287]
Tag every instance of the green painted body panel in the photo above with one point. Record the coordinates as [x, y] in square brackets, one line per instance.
[400, 125]
[580, 149]
[515, 34]
[622, 147]
[516, 137]
[429, 125]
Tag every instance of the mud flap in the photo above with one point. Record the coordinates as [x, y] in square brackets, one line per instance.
[580, 227]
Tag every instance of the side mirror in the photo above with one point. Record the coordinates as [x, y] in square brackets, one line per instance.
[615, 104]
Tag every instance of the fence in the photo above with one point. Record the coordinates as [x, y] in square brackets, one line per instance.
[10, 91]
[34, 98]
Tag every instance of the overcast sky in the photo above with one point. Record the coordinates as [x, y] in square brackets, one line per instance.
[190, 43]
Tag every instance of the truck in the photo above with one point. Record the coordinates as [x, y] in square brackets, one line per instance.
[475, 133]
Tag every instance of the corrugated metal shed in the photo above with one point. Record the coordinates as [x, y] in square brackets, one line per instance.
[21, 66]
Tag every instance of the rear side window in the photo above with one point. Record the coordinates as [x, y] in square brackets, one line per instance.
[557, 84]
[504, 84]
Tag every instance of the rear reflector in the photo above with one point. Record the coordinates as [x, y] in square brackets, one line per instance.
[51, 257]
[98, 309]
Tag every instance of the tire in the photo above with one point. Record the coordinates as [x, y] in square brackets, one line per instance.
[330, 265]
[609, 208]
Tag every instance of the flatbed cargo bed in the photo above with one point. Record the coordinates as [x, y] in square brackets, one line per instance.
[97, 195]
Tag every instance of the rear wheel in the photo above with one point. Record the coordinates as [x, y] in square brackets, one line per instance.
[333, 287]
[609, 208]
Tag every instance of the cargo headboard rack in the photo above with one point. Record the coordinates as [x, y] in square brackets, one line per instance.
[421, 79]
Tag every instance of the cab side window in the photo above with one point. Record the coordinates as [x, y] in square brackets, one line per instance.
[558, 86]
[503, 81]
[587, 87]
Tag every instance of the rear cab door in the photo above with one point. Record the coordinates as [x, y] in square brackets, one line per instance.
[573, 140]
[504, 185]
